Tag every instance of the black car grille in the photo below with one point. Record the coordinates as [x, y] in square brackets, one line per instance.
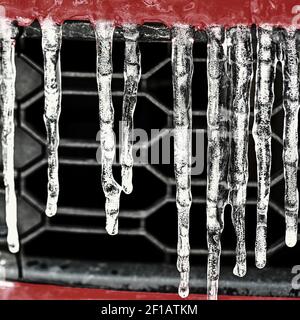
[73, 247]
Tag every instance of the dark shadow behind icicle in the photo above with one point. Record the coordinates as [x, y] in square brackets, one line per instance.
[104, 31]
[290, 133]
[264, 98]
[182, 66]
[51, 44]
[132, 75]
[217, 153]
[241, 70]
[7, 91]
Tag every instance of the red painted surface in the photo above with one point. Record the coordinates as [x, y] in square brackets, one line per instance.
[199, 13]
[27, 291]
[20, 10]
[277, 12]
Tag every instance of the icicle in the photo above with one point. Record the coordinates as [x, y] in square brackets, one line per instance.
[104, 35]
[290, 134]
[182, 64]
[218, 154]
[51, 44]
[240, 63]
[265, 75]
[132, 75]
[8, 69]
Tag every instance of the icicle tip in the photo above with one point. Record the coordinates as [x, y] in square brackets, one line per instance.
[212, 290]
[51, 209]
[13, 242]
[240, 269]
[183, 288]
[291, 236]
[112, 226]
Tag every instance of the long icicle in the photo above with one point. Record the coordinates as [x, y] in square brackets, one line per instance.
[7, 38]
[240, 60]
[182, 64]
[290, 134]
[51, 44]
[104, 31]
[264, 99]
[217, 154]
[132, 75]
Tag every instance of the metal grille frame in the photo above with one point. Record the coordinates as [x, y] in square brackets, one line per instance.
[152, 211]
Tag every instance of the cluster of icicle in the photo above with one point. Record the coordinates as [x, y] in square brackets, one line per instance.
[229, 71]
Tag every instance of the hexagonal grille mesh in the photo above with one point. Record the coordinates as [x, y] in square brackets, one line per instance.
[148, 221]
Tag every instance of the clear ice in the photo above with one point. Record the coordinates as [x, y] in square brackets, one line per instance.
[182, 66]
[104, 31]
[264, 98]
[229, 74]
[240, 67]
[132, 75]
[217, 153]
[51, 44]
[290, 133]
[7, 93]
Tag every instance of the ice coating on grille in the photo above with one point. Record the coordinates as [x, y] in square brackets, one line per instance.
[51, 44]
[7, 103]
[132, 75]
[290, 134]
[104, 31]
[200, 14]
[264, 98]
[169, 12]
[217, 153]
[182, 68]
[240, 70]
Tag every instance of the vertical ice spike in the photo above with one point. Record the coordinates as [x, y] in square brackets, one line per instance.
[132, 75]
[182, 65]
[290, 134]
[104, 31]
[217, 154]
[7, 103]
[240, 65]
[264, 98]
[51, 44]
